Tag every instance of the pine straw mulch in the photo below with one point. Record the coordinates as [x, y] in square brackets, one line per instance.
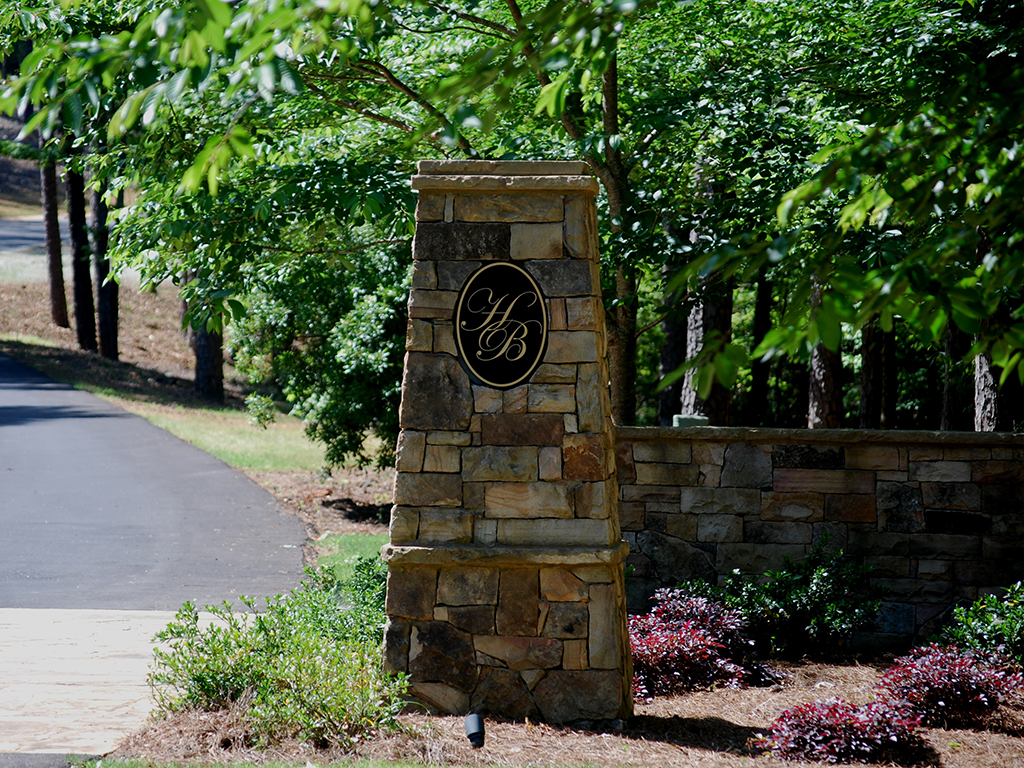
[697, 730]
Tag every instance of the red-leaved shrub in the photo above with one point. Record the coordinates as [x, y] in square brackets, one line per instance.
[950, 687]
[835, 731]
[673, 608]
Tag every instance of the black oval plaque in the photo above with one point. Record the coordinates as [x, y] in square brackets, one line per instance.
[501, 325]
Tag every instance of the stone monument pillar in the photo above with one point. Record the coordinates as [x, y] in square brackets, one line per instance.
[505, 586]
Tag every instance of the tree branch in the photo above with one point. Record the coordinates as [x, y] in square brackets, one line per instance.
[369, 114]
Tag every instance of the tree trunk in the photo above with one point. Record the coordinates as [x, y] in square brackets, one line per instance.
[957, 403]
[689, 403]
[106, 290]
[872, 374]
[986, 395]
[85, 317]
[758, 404]
[718, 317]
[209, 380]
[890, 380]
[825, 390]
[622, 348]
[673, 354]
[54, 262]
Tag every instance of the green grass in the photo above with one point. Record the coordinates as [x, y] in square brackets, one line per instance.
[343, 550]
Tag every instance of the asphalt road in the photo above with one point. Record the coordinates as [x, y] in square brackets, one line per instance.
[99, 509]
[15, 234]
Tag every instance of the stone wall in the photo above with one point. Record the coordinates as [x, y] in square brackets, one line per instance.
[939, 516]
[505, 585]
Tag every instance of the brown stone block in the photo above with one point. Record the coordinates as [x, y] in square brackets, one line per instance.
[797, 507]
[439, 525]
[850, 508]
[422, 489]
[583, 313]
[431, 304]
[441, 698]
[485, 532]
[566, 621]
[718, 528]
[966, 454]
[518, 600]
[439, 653]
[574, 654]
[578, 234]
[597, 574]
[436, 241]
[410, 450]
[605, 634]
[708, 453]
[862, 542]
[560, 585]
[756, 558]
[549, 373]
[565, 278]
[583, 457]
[571, 347]
[419, 336]
[624, 467]
[475, 619]
[513, 208]
[939, 546]
[940, 471]
[521, 652]
[552, 398]
[824, 481]
[577, 532]
[732, 501]
[536, 241]
[446, 437]
[441, 458]
[760, 532]
[589, 404]
[487, 400]
[710, 476]
[872, 457]
[444, 341]
[503, 693]
[747, 466]
[925, 453]
[648, 493]
[595, 500]
[404, 525]
[436, 393]
[682, 526]
[662, 452]
[396, 645]
[665, 474]
[997, 472]
[522, 429]
[467, 586]
[530, 500]
[567, 696]
[557, 318]
[499, 463]
[631, 515]
[934, 569]
[411, 593]
[515, 399]
[430, 206]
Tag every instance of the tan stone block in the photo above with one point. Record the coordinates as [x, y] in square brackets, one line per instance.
[516, 399]
[583, 457]
[569, 422]
[518, 602]
[708, 453]
[891, 477]
[733, 501]
[522, 429]
[590, 406]
[595, 500]
[872, 457]
[551, 398]
[440, 613]
[475, 428]
[514, 208]
[446, 437]
[449, 208]
[662, 452]
[567, 620]
[473, 495]
[444, 341]
[795, 507]
[441, 458]
[536, 241]
[824, 481]
[419, 336]
[710, 476]
[550, 463]
[631, 515]
[665, 474]
[571, 347]
[441, 697]
[411, 593]
[719, 528]
[404, 525]
[579, 236]
[532, 676]
[559, 585]
[504, 167]
[851, 508]
[500, 463]
[548, 373]
[424, 275]
[683, 526]
[440, 525]
[529, 500]
[574, 654]
[625, 471]
[998, 472]
[556, 315]
[410, 449]
[647, 493]
[521, 653]
[432, 304]
[430, 206]
[554, 532]
[925, 453]
[966, 454]
[605, 633]
[951, 495]
[582, 313]
[1003, 454]
[940, 471]
[596, 574]
[542, 617]
[424, 489]
[467, 585]
[485, 532]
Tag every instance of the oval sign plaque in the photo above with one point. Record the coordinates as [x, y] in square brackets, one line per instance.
[501, 325]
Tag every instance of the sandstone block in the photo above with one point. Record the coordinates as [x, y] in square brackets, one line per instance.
[582, 314]
[396, 644]
[796, 507]
[951, 495]
[675, 561]
[888, 566]
[863, 542]
[549, 463]
[595, 500]
[565, 278]
[631, 515]
[424, 275]
[578, 232]
[925, 453]
[756, 558]
[567, 621]
[604, 637]
[485, 532]
[560, 585]
[760, 532]
[884, 457]
[625, 470]
[558, 320]
[467, 586]
[682, 526]
[651, 493]
[423, 489]
[499, 463]
[441, 458]
[583, 457]
[824, 481]
[548, 373]
[405, 523]
[938, 546]
[533, 676]
[486, 399]
[521, 429]
[425, 305]
[940, 471]
[521, 652]
[474, 495]
[444, 437]
[665, 474]
[852, 508]
[570, 423]
[596, 574]
[708, 453]
[458, 242]
[935, 569]
[571, 347]
[536, 241]
[411, 593]
[515, 399]
[452, 275]
[662, 452]
[503, 692]
[430, 206]
[419, 336]
[444, 341]
[565, 696]
[518, 600]
[514, 208]
[553, 532]
[440, 653]
[891, 476]
[589, 403]
[747, 466]
[574, 654]
[807, 457]
[899, 508]
[441, 698]
[475, 619]
[966, 454]
[410, 450]
[530, 500]
[444, 526]
[552, 398]
[997, 472]
[725, 501]
[719, 528]
[436, 393]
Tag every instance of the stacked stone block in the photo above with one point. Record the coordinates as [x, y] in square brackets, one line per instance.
[939, 516]
[505, 587]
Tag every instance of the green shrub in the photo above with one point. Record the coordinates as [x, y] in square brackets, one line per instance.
[308, 667]
[991, 625]
[810, 606]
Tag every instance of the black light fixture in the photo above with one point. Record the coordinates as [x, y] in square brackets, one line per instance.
[475, 730]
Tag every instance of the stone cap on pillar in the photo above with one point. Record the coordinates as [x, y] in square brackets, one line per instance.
[491, 176]
[503, 167]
